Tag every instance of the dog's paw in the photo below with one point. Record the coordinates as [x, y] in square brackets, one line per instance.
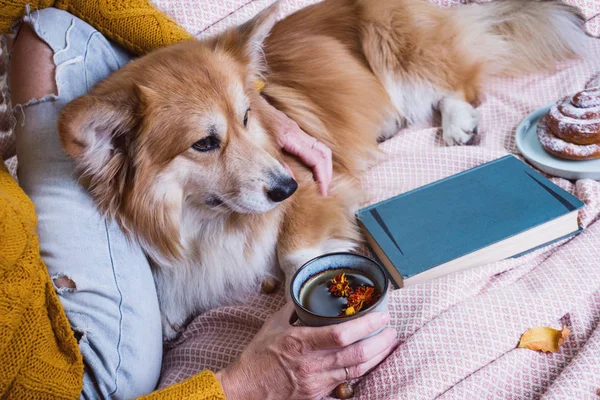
[459, 122]
[170, 331]
[391, 127]
[456, 135]
[269, 285]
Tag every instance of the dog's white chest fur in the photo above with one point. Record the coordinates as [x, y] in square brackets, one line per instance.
[221, 265]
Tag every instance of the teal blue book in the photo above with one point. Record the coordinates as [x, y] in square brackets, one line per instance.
[495, 211]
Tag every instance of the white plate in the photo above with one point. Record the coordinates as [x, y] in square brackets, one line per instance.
[529, 146]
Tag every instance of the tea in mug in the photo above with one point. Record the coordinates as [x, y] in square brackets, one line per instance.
[338, 292]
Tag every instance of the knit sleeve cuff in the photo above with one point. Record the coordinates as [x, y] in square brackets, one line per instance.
[202, 386]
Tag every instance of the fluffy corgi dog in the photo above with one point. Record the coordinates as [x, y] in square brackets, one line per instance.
[178, 148]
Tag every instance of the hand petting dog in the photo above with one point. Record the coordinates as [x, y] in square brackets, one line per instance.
[295, 141]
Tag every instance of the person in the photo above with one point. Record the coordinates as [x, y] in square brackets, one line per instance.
[103, 280]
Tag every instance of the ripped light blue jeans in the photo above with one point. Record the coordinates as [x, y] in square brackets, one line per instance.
[113, 307]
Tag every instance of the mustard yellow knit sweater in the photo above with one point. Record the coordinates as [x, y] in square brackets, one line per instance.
[39, 356]
[135, 24]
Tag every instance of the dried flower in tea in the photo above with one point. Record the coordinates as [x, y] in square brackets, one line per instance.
[362, 297]
[339, 286]
[348, 311]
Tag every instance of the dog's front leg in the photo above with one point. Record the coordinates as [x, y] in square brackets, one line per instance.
[290, 260]
[459, 120]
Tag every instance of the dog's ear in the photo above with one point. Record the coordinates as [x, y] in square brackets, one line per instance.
[94, 131]
[246, 41]
[255, 31]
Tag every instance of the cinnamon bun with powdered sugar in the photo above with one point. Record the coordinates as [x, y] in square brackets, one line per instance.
[571, 129]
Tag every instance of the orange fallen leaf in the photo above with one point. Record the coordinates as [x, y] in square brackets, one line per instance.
[544, 339]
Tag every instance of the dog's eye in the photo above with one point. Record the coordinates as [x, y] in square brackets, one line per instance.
[246, 118]
[206, 144]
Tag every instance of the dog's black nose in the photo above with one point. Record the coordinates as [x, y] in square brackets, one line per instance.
[283, 189]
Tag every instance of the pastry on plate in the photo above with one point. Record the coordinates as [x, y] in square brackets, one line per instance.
[571, 129]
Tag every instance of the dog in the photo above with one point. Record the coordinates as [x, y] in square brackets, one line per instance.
[178, 147]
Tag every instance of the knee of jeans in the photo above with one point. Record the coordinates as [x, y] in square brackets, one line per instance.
[128, 368]
[136, 381]
[122, 346]
[81, 56]
[137, 374]
[31, 70]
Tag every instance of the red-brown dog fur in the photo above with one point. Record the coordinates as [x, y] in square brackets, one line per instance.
[349, 72]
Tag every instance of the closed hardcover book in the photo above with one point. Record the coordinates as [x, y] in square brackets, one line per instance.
[495, 211]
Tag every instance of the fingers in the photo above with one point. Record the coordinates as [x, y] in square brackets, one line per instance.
[324, 169]
[344, 334]
[361, 369]
[314, 154]
[365, 350]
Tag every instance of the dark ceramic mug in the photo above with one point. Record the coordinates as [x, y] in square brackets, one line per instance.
[368, 266]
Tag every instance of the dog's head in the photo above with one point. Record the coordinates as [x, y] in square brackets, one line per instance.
[177, 130]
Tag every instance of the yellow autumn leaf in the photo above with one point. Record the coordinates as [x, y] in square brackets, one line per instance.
[544, 339]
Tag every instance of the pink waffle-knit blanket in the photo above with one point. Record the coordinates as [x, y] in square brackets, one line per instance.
[458, 333]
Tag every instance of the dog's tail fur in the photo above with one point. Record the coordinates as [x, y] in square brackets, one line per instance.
[520, 36]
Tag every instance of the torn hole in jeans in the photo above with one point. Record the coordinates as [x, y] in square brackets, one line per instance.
[81, 334]
[31, 18]
[63, 284]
